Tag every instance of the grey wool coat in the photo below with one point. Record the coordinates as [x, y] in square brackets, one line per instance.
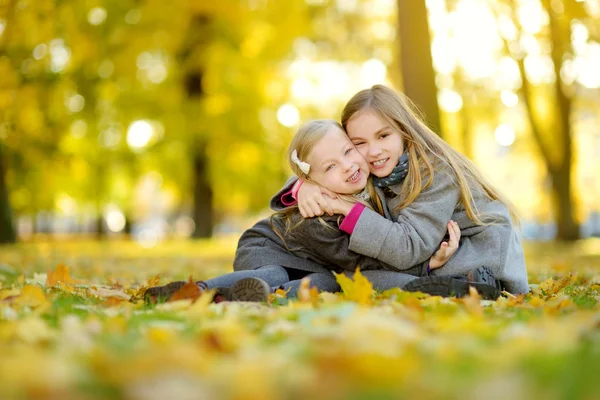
[408, 237]
[312, 246]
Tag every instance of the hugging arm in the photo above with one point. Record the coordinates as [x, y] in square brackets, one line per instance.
[330, 246]
[417, 231]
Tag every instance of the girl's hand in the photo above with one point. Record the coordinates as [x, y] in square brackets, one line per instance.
[447, 249]
[314, 200]
[340, 206]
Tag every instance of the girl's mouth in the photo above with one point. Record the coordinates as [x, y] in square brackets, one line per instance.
[354, 177]
[379, 163]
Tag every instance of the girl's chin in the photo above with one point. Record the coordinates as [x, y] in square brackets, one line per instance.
[380, 174]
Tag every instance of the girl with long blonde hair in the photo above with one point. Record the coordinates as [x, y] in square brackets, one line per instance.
[422, 182]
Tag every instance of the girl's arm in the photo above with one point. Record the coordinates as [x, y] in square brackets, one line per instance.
[313, 200]
[329, 246]
[417, 231]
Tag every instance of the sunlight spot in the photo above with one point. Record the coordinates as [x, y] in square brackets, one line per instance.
[532, 16]
[505, 135]
[75, 103]
[288, 115]
[449, 100]
[139, 134]
[539, 69]
[66, 203]
[372, 72]
[509, 98]
[115, 219]
[96, 15]
[60, 55]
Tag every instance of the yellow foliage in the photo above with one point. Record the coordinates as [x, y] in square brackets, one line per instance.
[358, 289]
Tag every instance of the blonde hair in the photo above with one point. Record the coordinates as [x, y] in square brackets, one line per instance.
[422, 143]
[303, 143]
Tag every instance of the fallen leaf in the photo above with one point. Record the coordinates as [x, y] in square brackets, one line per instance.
[189, 291]
[357, 289]
[31, 296]
[60, 275]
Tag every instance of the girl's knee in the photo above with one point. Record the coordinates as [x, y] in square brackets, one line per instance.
[274, 270]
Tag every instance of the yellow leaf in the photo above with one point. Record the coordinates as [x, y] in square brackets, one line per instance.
[31, 296]
[358, 289]
[58, 276]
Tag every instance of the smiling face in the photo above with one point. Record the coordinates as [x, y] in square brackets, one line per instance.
[378, 142]
[336, 165]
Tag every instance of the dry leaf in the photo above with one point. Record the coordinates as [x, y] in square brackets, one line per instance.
[189, 291]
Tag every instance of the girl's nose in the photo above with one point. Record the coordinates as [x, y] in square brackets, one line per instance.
[348, 165]
[374, 151]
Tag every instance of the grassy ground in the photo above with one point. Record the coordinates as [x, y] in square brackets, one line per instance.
[74, 334]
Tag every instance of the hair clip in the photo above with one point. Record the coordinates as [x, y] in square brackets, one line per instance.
[304, 166]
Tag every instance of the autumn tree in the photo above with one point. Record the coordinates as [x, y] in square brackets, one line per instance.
[418, 76]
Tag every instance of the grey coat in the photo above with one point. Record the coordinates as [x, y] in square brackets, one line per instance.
[311, 246]
[414, 233]
[409, 237]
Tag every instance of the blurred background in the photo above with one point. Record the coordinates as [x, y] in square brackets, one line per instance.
[159, 120]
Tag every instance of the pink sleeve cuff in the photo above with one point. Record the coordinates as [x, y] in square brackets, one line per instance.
[296, 188]
[351, 219]
[287, 199]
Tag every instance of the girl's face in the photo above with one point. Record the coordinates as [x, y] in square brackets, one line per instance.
[336, 165]
[377, 141]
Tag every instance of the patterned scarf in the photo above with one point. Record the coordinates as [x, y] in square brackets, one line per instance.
[397, 175]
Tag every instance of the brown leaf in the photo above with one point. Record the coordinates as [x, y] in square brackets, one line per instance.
[188, 291]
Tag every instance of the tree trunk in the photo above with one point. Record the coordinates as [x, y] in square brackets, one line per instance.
[7, 229]
[555, 143]
[203, 195]
[418, 76]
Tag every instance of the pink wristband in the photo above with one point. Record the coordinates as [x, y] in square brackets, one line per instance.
[351, 219]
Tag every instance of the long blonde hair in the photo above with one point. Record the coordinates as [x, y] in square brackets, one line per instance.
[303, 142]
[422, 143]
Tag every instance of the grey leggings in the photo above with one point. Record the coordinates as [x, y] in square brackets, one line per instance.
[277, 276]
[384, 280]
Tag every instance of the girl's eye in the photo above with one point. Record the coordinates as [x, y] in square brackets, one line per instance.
[330, 167]
[384, 135]
[359, 143]
[349, 151]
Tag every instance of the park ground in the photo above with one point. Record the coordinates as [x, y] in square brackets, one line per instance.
[72, 327]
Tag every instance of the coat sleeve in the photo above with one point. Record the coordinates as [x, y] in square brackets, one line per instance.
[330, 246]
[417, 231]
[276, 204]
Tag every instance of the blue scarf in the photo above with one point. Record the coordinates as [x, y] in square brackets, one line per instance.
[397, 175]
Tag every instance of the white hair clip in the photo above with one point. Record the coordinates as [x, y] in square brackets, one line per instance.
[304, 166]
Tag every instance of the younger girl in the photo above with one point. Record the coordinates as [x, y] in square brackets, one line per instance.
[280, 250]
[422, 183]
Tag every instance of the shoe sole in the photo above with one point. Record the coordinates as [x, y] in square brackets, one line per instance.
[447, 287]
[250, 289]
